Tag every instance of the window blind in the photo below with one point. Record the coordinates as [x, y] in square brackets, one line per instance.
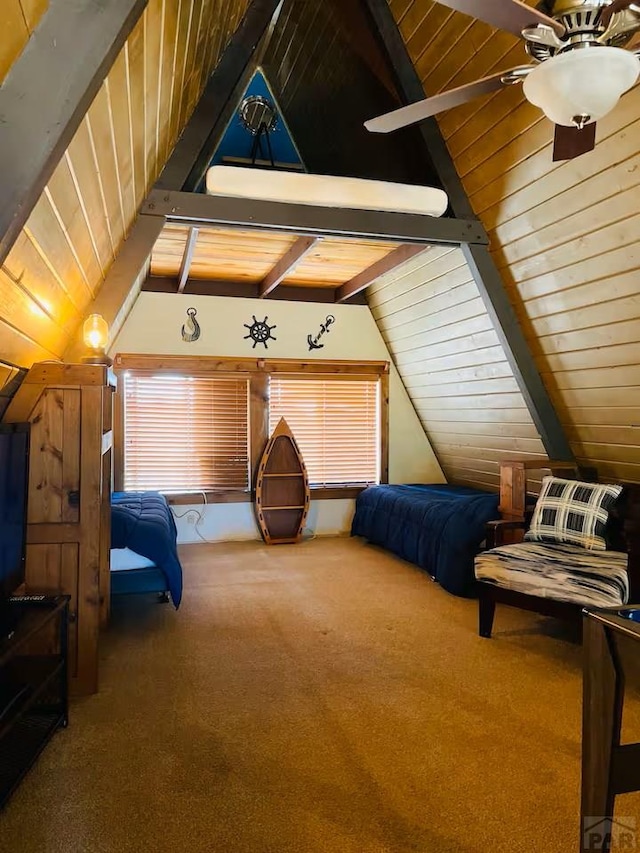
[336, 425]
[185, 433]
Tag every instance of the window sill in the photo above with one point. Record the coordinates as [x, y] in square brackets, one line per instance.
[234, 496]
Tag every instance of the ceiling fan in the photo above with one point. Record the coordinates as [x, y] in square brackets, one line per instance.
[586, 52]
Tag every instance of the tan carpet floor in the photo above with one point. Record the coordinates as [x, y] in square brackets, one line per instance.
[318, 698]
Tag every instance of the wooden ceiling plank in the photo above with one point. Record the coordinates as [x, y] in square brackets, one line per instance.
[44, 99]
[361, 281]
[286, 264]
[187, 258]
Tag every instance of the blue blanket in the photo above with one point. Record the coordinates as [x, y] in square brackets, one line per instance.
[437, 527]
[143, 522]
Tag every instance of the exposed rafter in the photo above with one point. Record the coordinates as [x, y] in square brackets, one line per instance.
[482, 265]
[47, 93]
[247, 290]
[361, 281]
[286, 264]
[187, 258]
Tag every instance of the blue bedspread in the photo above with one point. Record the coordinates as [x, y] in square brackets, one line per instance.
[143, 522]
[437, 527]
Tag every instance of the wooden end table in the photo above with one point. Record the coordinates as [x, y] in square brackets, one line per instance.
[608, 767]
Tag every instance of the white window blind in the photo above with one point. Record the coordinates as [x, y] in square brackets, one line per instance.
[336, 425]
[185, 433]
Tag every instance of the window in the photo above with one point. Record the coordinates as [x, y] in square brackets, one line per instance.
[185, 433]
[200, 424]
[336, 423]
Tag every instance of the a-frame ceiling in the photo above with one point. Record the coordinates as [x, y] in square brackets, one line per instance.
[562, 235]
[566, 240]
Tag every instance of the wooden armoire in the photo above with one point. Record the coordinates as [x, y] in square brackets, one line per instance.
[69, 407]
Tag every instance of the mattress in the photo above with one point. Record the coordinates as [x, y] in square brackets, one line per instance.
[325, 190]
[124, 559]
[437, 527]
[143, 523]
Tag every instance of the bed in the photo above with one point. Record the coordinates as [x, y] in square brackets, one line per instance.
[328, 190]
[144, 556]
[437, 527]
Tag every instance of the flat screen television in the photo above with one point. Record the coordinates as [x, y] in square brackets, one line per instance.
[14, 476]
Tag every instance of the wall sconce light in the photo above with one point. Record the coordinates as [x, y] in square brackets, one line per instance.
[95, 334]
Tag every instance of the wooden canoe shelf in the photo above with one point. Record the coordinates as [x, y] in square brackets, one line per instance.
[282, 489]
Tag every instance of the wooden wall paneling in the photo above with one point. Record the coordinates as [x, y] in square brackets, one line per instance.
[221, 28]
[517, 196]
[120, 120]
[194, 45]
[33, 10]
[185, 26]
[135, 66]
[18, 19]
[101, 129]
[82, 162]
[47, 234]
[166, 72]
[203, 43]
[27, 268]
[15, 35]
[17, 304]
[152, 23]
[62, 195]
[437, 329]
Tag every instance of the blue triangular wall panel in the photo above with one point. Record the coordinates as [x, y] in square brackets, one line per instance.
[237, 141]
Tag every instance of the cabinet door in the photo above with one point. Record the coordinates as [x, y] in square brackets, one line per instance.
[54, 464]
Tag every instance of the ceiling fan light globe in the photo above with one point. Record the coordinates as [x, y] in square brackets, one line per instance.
[587, 82]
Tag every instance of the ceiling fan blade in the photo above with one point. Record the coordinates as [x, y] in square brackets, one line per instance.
[570, 142]
[437, 104]
[510, 15]
[613, 8]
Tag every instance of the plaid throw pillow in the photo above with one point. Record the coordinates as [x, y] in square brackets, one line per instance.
[571, 512]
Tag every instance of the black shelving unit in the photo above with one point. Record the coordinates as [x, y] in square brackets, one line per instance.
[33, 684]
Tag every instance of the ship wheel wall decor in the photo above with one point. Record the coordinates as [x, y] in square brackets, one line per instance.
[282, 489]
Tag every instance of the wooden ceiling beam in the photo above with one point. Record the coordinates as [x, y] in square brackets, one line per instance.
[361, 281]
[245, 290]
[187, 258]
[47, 93]
[313, 220]
[286, 264]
